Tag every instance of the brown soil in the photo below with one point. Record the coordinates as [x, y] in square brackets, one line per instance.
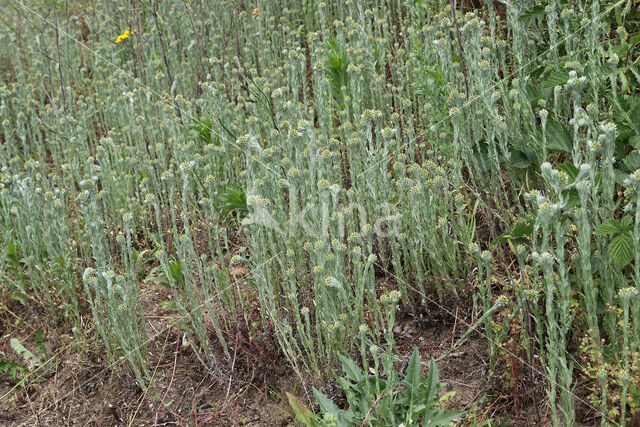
[80, 388]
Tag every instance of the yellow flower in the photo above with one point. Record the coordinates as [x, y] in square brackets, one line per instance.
[124, 35]
[255, 12]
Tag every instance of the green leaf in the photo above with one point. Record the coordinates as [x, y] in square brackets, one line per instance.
[621, 250]
[521, 230]
[531, 14]
[570, 170]
[635, 141]
[175, 271]
[351, 369]
[520, 160]
[31, 360]
[326, 404]
[348, 388]
[444, 418]
[303, 414]
[201, 130]
[433, 382]
[447, 396]
[610, 226]
[12, 370]
[624, 133]
[632, 161]
[558, 137]
[413, 380]
[42, 349]
[558, 78]
[626, 223]
[336, 63]
[414, 372]
[572, 197]
[234, 199]
[620, 177]
[634, 115]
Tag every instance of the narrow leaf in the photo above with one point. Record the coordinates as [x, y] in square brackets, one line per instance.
[433, 382]
[413, 380]
[303, 414]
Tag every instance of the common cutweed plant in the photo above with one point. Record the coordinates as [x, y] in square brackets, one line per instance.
[319, 168]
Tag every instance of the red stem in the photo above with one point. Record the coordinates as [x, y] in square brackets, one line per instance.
[515, 382]
[175, 362]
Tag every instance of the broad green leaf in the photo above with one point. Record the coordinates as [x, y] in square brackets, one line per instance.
[326, 404]
[620, 177]
[375, 383]
[610, 226]
[632, 161]
[531, 14]
[351, 369]
[557, 78]
[523, 229]
[520, 231]
[572, 197]
[626, 223]
[520, 160]
[635, 141]
[532, 93]
[447, 396]
[621, 250]
[558, 137]
[414, 371]
[443, 418]
[570, 170]
[624, 133]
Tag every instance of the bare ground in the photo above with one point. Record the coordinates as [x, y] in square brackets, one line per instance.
[80, 388]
